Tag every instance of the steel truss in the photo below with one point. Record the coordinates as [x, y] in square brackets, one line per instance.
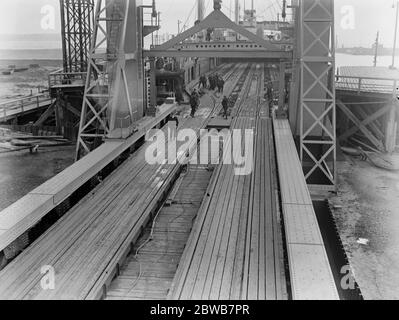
[217, 19]
[77, 19]
[317, 92]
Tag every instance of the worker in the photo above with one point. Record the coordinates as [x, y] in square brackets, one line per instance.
[217, 4]
[173, 124]
[202, 82]
[220, 84]
[173, 118]
[211, 82]
[225, 105]
[194, 102]
[270, 93]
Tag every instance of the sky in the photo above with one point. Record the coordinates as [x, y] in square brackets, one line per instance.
[366, 17]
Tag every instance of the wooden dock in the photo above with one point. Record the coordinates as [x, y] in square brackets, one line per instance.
[234, 251]
[87, 245]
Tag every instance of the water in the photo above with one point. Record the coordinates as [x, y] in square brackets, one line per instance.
[345, 60]
[21, 172]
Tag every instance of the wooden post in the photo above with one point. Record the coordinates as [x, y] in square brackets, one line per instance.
[281, 99]
[391, 125]
[153, 88]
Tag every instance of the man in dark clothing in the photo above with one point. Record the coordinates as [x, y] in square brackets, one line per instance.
[225, 105]
[212, 82]
[194, 102]
[173, 118]
[173, 123]
[202, 82]
[270, 94]
[220, 85]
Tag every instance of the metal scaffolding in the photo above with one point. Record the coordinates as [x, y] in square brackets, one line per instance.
[100, 83]
[114, 93]
[77, 18]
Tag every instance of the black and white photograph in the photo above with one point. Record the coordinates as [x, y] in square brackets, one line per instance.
[199, 155]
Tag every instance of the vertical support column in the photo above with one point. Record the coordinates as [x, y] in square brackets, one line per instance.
[293, 109]
[317, 93]
[58, 113]
[391, 124]
[153, 89]
[281, 98]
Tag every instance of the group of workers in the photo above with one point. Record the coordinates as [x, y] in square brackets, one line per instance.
[195, 103]
[214, 81]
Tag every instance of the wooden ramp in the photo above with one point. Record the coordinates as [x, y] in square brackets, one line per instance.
[149, 270]
[234, 250]
[30, 209]
[87, 245]
[310, 272]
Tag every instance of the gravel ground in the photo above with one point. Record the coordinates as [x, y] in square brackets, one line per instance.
[367, 206]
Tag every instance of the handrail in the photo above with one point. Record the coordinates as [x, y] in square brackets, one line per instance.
[46, 94]
[367, 84]
[23, 103]
[59, 78]
[367, 78]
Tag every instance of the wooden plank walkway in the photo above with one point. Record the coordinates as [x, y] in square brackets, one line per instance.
[25, 213]
[310, 272]
[148, 273]
[87, 244]
[234, 251]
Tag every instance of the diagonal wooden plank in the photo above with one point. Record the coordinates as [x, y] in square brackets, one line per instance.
[45, 115]
[367, 121]
[360, 125]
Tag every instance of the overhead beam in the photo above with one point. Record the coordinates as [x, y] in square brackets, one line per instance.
[217, 19]
[222, 53]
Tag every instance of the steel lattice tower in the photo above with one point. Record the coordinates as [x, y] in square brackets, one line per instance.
[317, 109]
[77, 19]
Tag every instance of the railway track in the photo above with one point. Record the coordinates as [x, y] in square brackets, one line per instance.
[90, 243]
[234, 249]
[149, 270]
[154, 268]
